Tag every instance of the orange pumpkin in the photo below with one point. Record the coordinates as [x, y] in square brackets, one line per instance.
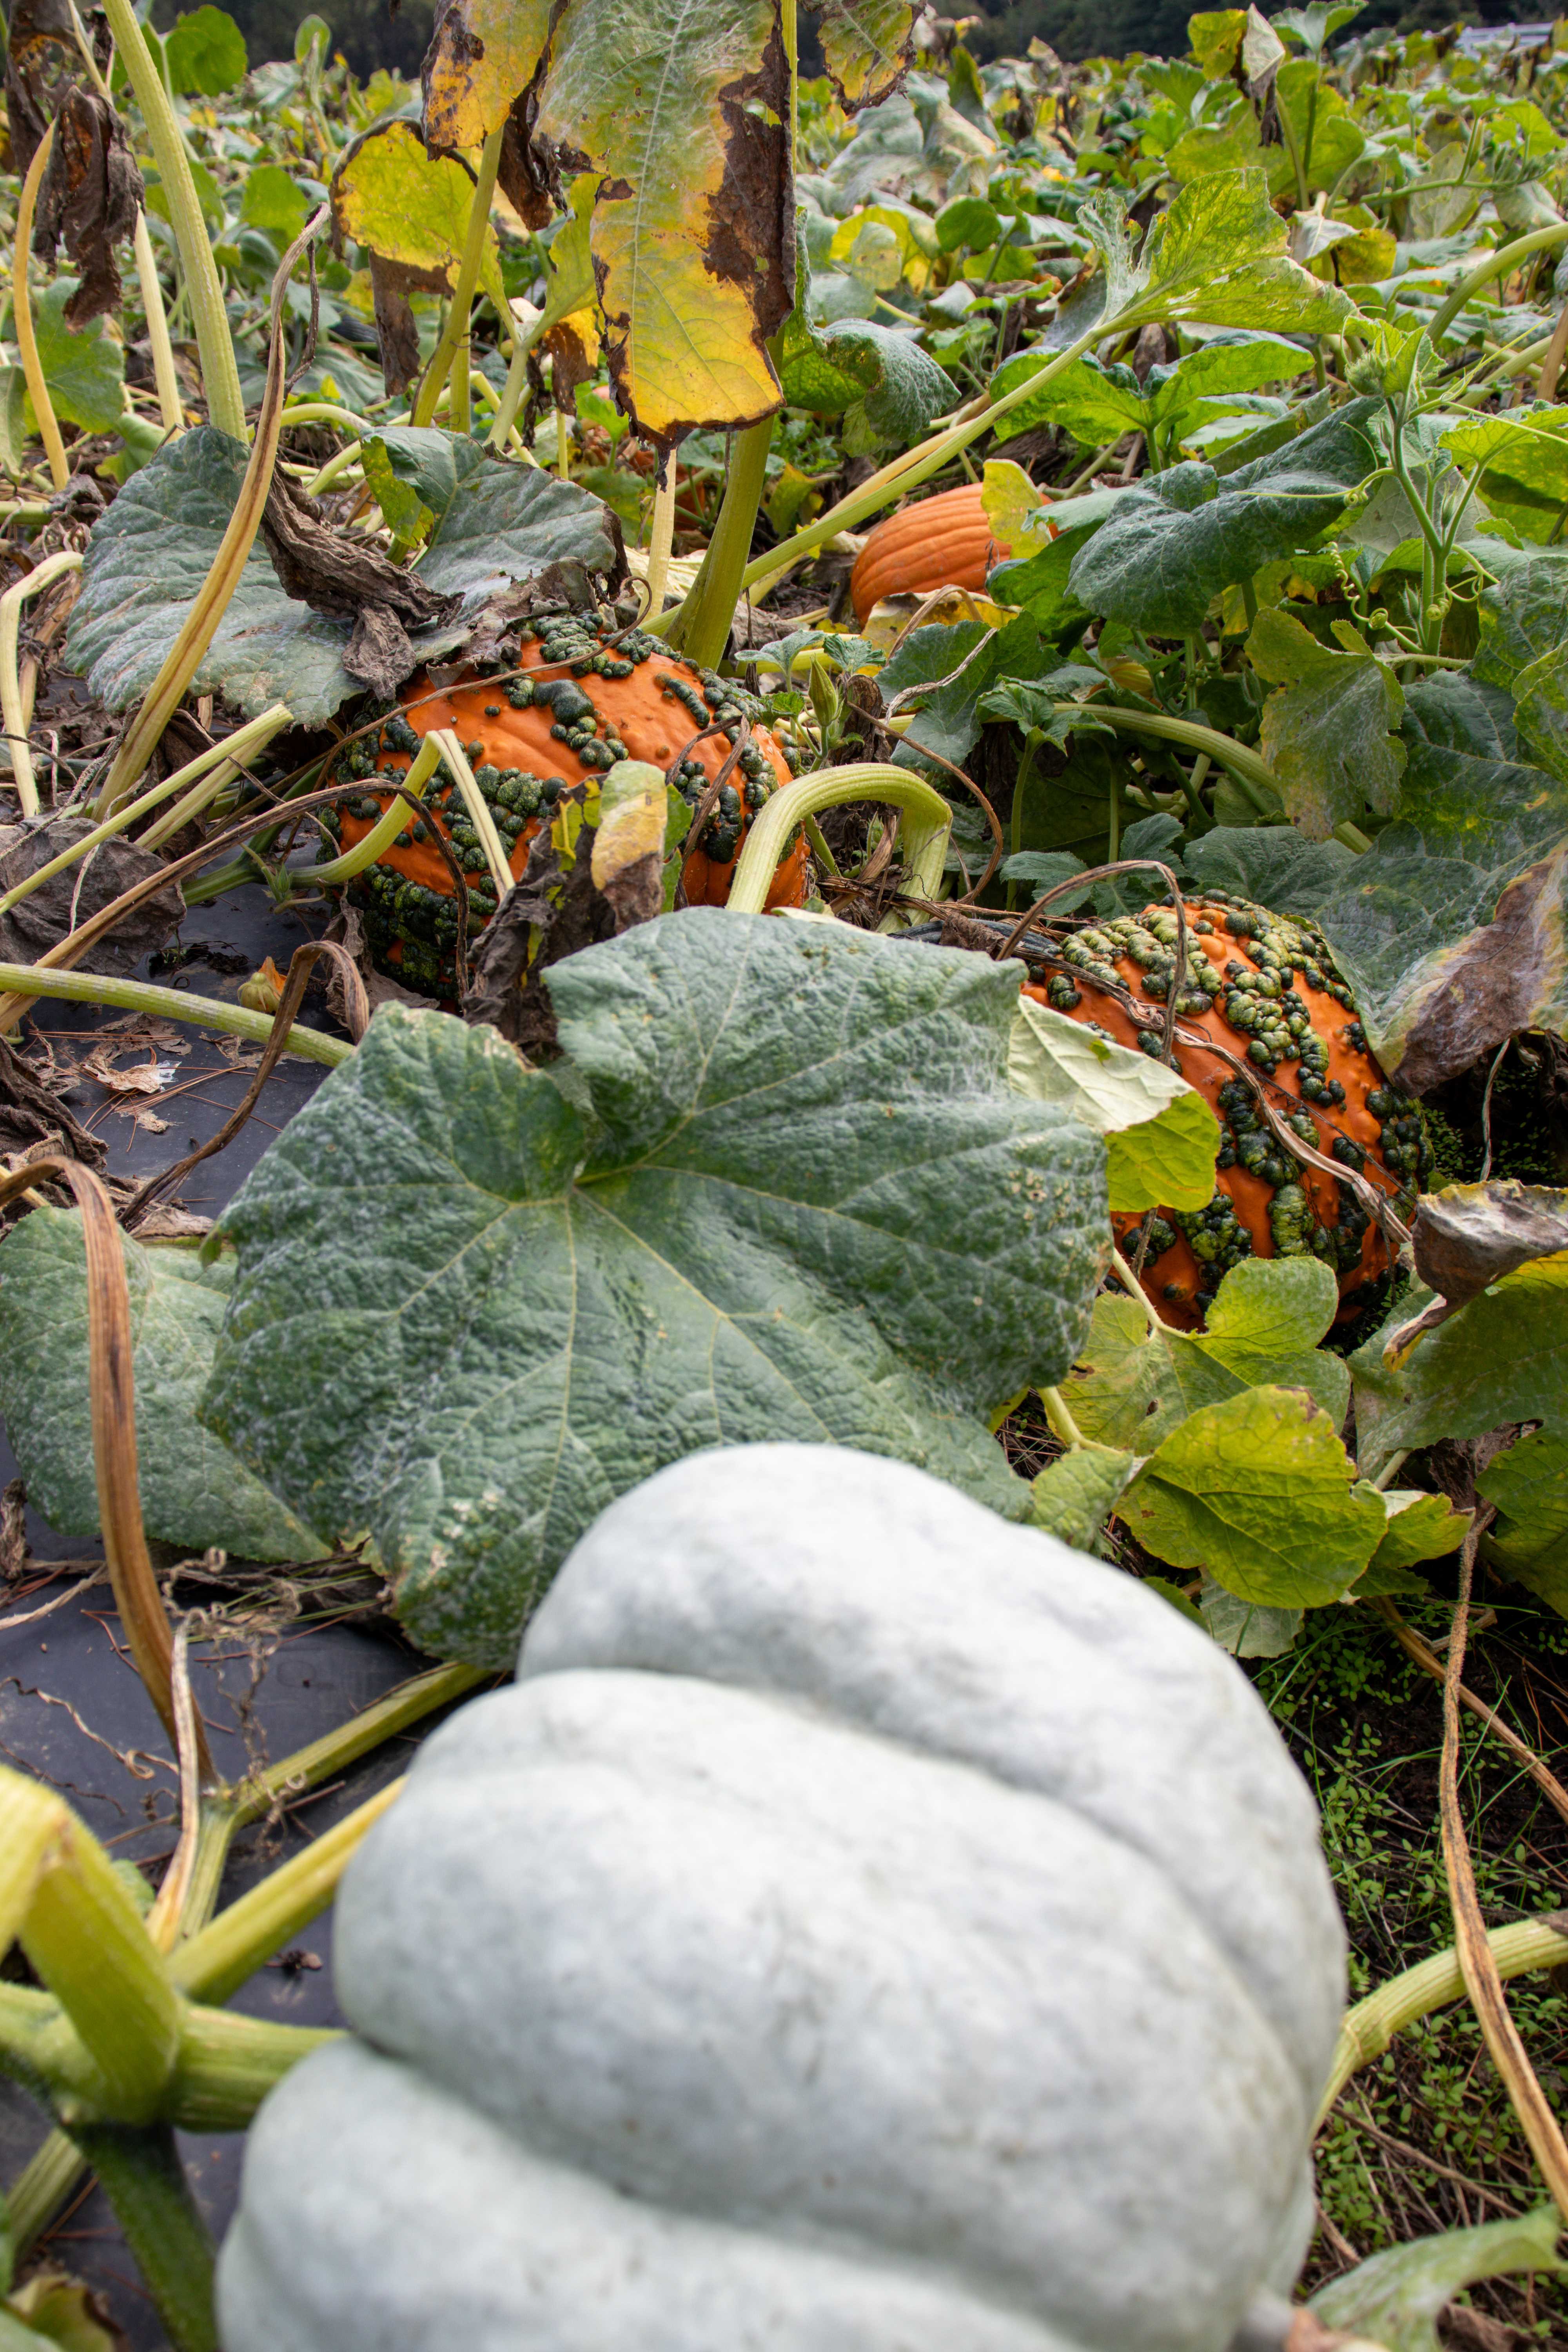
[529, 741]
[1263, 987]
[941, 542]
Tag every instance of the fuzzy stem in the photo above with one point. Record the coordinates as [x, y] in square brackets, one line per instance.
[387, 827]
[146, 2185]
[1366, 2030]
[480, 815]
[522, 341]
[1055, 1408]
[661, 535]
[12, 704]
[917, 466]
[220, 372]
[456, 330]
[171, 408]
[928, 821]
[1495, 265]
[1136, 1292]
[34, 980]
[1253, 774]
[22, 316]
[700, 628]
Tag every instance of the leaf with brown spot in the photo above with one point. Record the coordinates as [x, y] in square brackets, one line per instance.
[679, 108]
[865, 47]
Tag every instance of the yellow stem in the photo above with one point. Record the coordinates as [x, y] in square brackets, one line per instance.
[22, 310]
[170, 406]
[13, 706]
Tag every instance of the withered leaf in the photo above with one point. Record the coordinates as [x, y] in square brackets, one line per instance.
[115, 866]
[391, 284]
[346, 579]
[41, 61]
[91, 195]
[1469, 1236]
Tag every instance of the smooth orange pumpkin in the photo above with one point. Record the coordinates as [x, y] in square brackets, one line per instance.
[941, 542]
[529, 741]
[1265, 988]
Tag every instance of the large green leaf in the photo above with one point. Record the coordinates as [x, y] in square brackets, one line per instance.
[1420, 1527]
[1443, 965]
[1133, 1387]
[1523, 461]
[1161, 1137]
[803, 1203]
[1541, 712]
[1520, 618]
[1395, 2298]
[1218, 256]
[149, 556]
[1502, 1357]
[85, 371]
[971, 657]
[1529, 1537]
[680, 109]
[205, 53]
[194, 1492]
[1326, 135]
[1257, 1489]
[1328, 732]
[1170, 545]
[1099, 402]
[830, 369]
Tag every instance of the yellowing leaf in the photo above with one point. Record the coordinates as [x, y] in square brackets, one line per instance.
[679, 109]
[411, 207]
[1257, 1489]
[631, 825]
[865, 45]
[480, 60]
[1161, 1136]
[1014, 509]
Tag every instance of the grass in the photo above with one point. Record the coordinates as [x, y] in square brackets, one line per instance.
[1424, 2140]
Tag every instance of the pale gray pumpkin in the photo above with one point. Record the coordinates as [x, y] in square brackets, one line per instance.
[866, 1926]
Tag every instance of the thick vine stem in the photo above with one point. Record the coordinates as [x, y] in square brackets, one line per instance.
[220, 370]
[917, 466]
[171, 408]
[21, 316]
[34, 980]
[699, 627]
[12, 704]
[926, 823]
[1540, 240]
[455, 334]
[1254, 775]
[146, 2185]
[1367, 2029]
[387, 827]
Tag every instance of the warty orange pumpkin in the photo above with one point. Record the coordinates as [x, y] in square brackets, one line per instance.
[1262, 989]
[533, 740]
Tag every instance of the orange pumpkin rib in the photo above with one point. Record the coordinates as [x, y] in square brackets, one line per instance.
[1277, 1204]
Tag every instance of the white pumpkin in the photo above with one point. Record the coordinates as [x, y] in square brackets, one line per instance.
[866, 1926]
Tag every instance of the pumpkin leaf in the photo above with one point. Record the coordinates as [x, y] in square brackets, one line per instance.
[865, 47]
[1171, 544]
[193, 1493]
[1258, 1490]
[205, 53]
[1161, 1137]
[1071, 1497]
[1242, 1627]
[1329, 732]
[1452, 929]
[1529, 1538]
[691, 240]
[1420, 1527]
[411, 207]
[1502, 1357]
[1520, 618]
[829, 369]
[1523, 463]
[85, 371]
[531, 1307]
[1394, 2297]
[1132, 1387]
[149, 556]
[52, 2309]
[1216, 254]
[271, 200]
